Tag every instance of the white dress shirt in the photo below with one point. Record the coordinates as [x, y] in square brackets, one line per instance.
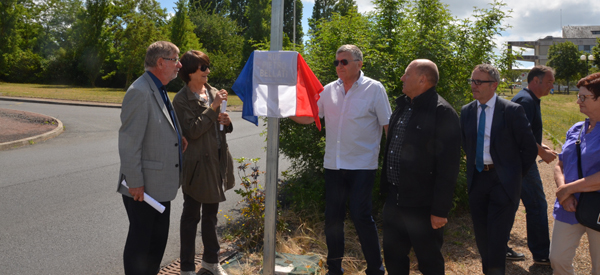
[353, 123]
[489, 116]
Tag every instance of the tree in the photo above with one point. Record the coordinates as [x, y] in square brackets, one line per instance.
[182, 29]
[323, 9]
[596, 53]
[222, 43]
[211, 6]
[237, 13]
[92, 38]
[344, 7]
[10, 13]
[137, 24]
[564, 58]
[288, 20]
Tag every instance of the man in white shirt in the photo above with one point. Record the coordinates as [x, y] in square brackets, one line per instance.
[356, 109]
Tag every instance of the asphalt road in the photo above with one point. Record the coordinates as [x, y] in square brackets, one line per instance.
[59, 212]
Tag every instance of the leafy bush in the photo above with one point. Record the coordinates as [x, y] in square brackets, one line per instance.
[249, 228]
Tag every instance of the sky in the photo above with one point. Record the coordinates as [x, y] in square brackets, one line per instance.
[530, 19]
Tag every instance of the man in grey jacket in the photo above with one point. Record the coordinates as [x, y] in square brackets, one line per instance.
[150, 148]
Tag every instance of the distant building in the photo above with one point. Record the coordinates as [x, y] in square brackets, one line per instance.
[582, 36]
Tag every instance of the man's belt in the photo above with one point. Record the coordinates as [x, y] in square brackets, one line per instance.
[487, 167]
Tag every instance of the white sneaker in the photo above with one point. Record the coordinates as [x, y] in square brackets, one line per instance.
[188, 273]
[215, 268]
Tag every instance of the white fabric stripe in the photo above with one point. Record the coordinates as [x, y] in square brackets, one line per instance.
[274, 83]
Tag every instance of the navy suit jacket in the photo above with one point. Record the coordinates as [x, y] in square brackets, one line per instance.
[512, 145]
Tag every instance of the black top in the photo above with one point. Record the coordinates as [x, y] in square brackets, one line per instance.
[531, 105]
[429, 157]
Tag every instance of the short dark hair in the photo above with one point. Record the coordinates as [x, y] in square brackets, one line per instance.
[592, 83]
[190, 62]
[539, 71]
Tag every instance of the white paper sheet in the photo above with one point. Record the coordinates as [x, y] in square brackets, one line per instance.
[151, 201]
[223, 107]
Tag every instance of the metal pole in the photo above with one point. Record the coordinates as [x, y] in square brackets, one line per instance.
[294, 25]
[272, 153]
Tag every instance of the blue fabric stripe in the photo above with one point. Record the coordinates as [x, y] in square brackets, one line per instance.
[243, 89]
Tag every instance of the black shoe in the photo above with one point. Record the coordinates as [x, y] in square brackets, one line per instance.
[511, 255]
[541, 261]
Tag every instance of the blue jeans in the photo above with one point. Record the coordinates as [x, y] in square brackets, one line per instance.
[353, 186]
[534, 199]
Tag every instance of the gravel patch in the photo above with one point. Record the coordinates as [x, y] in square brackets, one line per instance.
[16, 125]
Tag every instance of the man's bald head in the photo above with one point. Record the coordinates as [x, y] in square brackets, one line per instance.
[429, 69]
[420, 76]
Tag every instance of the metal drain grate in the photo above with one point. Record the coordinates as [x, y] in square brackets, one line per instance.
[174, 267]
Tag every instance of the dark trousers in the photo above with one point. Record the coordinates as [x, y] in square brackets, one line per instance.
[410, 227]
[493, 214]
[190, 217]
[353, 186]
[147, 237]
[534, 200]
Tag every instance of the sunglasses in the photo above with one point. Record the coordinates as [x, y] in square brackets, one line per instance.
[343, 62]
[204, 67]
[172, 59]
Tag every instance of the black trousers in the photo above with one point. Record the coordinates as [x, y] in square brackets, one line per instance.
[493, 214]
[410, 227]
[190, 217]
[147, 237]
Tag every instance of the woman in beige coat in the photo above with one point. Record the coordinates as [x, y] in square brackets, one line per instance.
[207, 164]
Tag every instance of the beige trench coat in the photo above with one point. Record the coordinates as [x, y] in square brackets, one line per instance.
[205, 176]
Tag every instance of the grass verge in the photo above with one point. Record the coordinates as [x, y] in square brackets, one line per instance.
[67, 92]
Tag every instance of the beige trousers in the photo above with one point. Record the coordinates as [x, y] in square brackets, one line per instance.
[565, 240]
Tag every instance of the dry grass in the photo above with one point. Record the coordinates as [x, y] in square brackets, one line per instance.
[306, 236]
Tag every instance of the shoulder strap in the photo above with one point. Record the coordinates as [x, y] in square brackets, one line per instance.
[578, 148]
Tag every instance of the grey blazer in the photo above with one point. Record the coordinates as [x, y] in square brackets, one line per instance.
[148, 144]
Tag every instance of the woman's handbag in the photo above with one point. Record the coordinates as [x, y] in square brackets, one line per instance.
[588, 206]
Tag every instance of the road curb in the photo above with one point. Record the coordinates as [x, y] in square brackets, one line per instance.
[34, 139]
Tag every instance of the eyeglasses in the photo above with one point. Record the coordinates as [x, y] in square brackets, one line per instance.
[204, 67]
[343, 61]
[583, 97]
[172, 59]
[478, 82]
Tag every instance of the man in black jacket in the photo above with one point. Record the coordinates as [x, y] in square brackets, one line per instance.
[419, 172]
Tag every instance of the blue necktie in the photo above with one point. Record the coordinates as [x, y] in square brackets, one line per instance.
[163, 93]
[480, 137]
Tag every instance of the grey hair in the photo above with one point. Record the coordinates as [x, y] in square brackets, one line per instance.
[489, 69]
[354, 50]
[157, 50]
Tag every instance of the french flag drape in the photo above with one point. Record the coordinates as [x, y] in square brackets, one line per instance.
[278, 84]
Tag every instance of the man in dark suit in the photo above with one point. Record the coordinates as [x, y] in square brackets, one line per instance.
[420, 167]
[150, 148]
[500, 149]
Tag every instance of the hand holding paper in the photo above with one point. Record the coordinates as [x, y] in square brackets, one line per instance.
[152, 202]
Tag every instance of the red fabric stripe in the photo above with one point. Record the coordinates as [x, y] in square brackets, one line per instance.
[308, 89]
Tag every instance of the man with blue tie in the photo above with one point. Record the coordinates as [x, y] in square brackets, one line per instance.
[500, 149]
[150, 149]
